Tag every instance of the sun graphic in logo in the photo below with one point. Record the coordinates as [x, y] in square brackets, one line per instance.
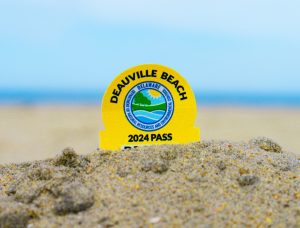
[154, 93]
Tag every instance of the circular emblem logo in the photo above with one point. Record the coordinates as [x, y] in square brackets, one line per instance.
[149, 106]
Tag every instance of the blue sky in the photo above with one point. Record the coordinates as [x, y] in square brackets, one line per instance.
[239, 46]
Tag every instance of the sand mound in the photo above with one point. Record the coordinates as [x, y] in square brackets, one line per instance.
[209, 183]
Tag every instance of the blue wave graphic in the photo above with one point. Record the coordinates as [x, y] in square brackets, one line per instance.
[149, 117]
[159, 112]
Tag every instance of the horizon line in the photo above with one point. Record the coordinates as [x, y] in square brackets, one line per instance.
[248, 98]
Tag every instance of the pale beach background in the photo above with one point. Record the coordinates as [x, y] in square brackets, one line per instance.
[38, 132]
[57, 58]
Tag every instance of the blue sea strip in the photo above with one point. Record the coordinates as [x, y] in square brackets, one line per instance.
[33, 97]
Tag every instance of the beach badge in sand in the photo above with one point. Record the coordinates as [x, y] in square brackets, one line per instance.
[146, 105]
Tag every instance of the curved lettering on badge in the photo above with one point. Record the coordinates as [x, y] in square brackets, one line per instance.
[148, 104]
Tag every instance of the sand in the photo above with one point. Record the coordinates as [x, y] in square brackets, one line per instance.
[30, 133]
[207, 184]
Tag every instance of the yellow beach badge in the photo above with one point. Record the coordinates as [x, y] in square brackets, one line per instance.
[148, 104]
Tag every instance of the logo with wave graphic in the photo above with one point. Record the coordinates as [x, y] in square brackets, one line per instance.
[149, 106]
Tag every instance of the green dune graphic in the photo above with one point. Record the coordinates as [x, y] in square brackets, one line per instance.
[141, 102]
[149, 108]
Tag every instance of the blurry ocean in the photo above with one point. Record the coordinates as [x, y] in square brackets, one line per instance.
[33, 97]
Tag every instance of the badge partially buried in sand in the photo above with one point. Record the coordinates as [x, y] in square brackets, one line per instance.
[148, 104]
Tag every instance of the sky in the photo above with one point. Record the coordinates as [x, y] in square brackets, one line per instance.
[217, 45]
